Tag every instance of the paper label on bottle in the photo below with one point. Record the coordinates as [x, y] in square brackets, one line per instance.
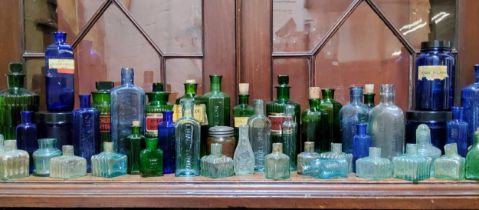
[63, 66]
[277, 120]
[432, 72]
[239, 121]
[152, 121]
[105, 123]
[199, 113]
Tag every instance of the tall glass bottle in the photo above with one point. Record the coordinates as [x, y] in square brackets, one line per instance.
[457, 130]
[101, 102]
[472, 159]
[289, 130]
[373, 166]
[41, 157]
[217, 103]
[167, 143]
[330, 131]
[188, 135]
[243, 110]
[108, 163]
[386, 124]
[217, 165]
[350, 115]
[361, 143]
[244, 156]
[277, 164]
[306, 157]
[423, 141]
[157, 103]
[259, 135]
[13, 162]
[369, 96]
[311, 119]
[451, 165]
[60, 74]
[134, 148]
[470, 103]
[337, 153]
[151, 159]
[15, 99]
[127, 105]
[67, 166]
[411, 166]
[27, 135]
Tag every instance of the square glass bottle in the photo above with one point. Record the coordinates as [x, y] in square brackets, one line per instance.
[412, 166]
[108, 163]
[450, 166]
[67, 166]
[277, 164]
[151, 159]
[41, 157]
[374, 166]
[337, 153]
[14, 163]
[306, 157]
[167, 142]
[217, 165]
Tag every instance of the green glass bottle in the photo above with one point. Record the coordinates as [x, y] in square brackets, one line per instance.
[14, 100]
[101, 102]
[134, 148]
[369, 95]
[243, 110]
[217, 103]
[275, 110]
[330, 131]
[157, 103]
[151, 159]
[311, 119]
[472, 159]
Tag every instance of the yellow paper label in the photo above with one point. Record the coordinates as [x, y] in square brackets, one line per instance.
[432, 72]
[239, 121]
[199, 113]
[65, 66]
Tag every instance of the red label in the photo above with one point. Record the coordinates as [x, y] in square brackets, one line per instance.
[277, 120]
[105, 123]
[152, 121]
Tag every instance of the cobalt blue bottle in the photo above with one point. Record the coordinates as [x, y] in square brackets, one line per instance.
[59, 76]
[86, 130]
[435, 76]
[27, 135]
[350, 115]
[470, 104]
[457, 131]
[361, 143]
[166, 140]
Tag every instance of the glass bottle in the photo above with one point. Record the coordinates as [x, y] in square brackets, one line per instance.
[86, 132]
[101, 102]
[15, 99]
[151, 159]
[472, 159]
[243, 110]
[127, 105]
[259, 135]
[369, 96]
[217, 165]
[470, 103]
[13, 162]
[1, 143]
[41, 157]
[188, 135]
[457, 130]
[373, 166]
[167, 142]
[244, 156]
[217, 103]
[328, 168]
[337, 153]
[27, 135]
[350, 115]
[424, 146]
[134, 148]
[67, 166]
[306, 157]
[60, 74]
[451, 165]
[311, 119]
[361, 143]
[330, 131]
[386, 124]
[289, 130]
[277, 164]
[435, 76]
[108, 163]
[157, 103]
[223, 135]
[411, 166]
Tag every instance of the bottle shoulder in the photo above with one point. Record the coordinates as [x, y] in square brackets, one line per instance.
[55, 50]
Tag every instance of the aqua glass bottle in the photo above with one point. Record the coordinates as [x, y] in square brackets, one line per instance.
[167, 142]
[188, 133]
[217, 103]
[374, 166]
[386, 124]
[328, 168]
[133, 148]
[337, 153]
[67, 166]
[311, 119]
[412, 166]
[109, 164]
[41, 157]
[14, 100]
[457, 131]
[14, 163]
[217, 165]
[157, 103]
[243, 110]
[27, 135]
[259, 135]
[101, 102]
[306, 157]
[244, 156]
[350, 115]
[127, 105]
[369, 96]
[289, 130]
[330, 131]
[277, 164]
[151, 159]
[472, 159]
[470, 103]
[450, 166]
[423, 142]
[361, 143]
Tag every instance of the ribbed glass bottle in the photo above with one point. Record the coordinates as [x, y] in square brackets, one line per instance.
[411, 166]
[67, 166]
[374, 166]
[337, 153]
[457, 130]
[109, 164]
[14, 163]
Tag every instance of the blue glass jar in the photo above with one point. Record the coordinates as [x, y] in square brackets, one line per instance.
[166, 140]
[361, 143]
[436, 121]
[435, 76]
[27, 135]
[470, 103]
[59, 75]
[57, 125]
[457, 131]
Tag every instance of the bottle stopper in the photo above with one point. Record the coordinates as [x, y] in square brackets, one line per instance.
[314, 92]
[369, 88]
[190, 81]
[243, 88]
[135, 123]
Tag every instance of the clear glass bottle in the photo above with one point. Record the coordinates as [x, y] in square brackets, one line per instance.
[311, 118]
[424, 146]
[127, 105]
[472, 159]
[217, 165]
[289, 130]
[41, 157]
[259, 135]
[412, 166]
[386, 124]
[188, 135]
[27, 135]
[450, 166]
[306, 157]
[369, 96]
[361, 143]
[330, 130]
[328, 168]
[337, 153]
[14, 163]
[244, 156]
[374, 166]
[217, 103]
[151, 159]
[133, 148]
[167, 142]
[157, 103]
[470, 103]
[67, 166]
[277, 164]
[350, 115]
[243, 110]
[101, 102]
[109, 164]
[60, 74]
[457, 130]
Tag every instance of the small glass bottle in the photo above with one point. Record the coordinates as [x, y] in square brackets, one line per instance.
[41, 157]
[277, 164]
[217, 103]
[350, 115]
[157, 103]
[457, 130]
[369, 96]
[243, 110]
[361, 143]
[56, 125]
[306, 157]
[289, 130]
[101, 102]
[223, 135]
[188, 135]
[67, 166]
[27, 135]
[373, 166]
[151, 159]
[134, 148]
[337, 153]
[412, 166]
[259, 135]
[469, 102]
[328, 168]
[330, 131]
[450, 166]
[167, 142]
[217, 165]
[108, 163]
[311, 118]
[244, 156]
[472, 159]
[424, 146]
[13, 162]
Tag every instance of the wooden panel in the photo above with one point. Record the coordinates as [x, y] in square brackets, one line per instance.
[10, 38]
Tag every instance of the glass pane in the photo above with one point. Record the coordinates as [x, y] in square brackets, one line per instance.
[74, 14]
[298, 71]
[299, 25]
[35, 79]
[175, 25]
[364, 51]
[422, 20]
[180, 70]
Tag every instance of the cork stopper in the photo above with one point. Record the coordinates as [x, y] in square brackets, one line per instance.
[67, 150]
[314, 92]
[243, 88]
[369, 88]
[135, 123]
[309, 146]
[278, 147]
[190, 81]
[108, 146]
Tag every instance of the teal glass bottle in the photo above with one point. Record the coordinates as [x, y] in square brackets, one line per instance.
[151, 159]
[157, 103]
[259, 134]
[188, 135]
[411, 166]
[305, 158]
[330, 131]
[243, 110]
[337, 153]
[101, 102]
[423, 142]
[472, 159]
[277, 164]
[67, 166]
[311, 119]
[450, 166]
[374, 166]
[14, 163]
[289, 130]
[369, 96]
[133, 148]
[244, 156]
[108, 163]
[217, 103]
[41, 157]
[217, 165]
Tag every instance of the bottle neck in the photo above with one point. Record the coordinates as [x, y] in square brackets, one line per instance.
[314, 102]
[411, 149]
[387, 98]
[151, 144]
[259, 107]
[190, 88]
[127, 77]
[423, 135]
[46, 143]
[309, 146]
[10, 145]
[135, 130]
[277, 147]
[216, 149]
[244, 99]
[374, 152]
[327, 93]
[85, 101]
[282, 93]
[457, 114]
[59, 37]
[369, 98]
[215, 82]
[336, 148]
[107, 146]
[450, 149]
[168, 117]
[188, 110]
[361, 129]
[16, 81]
[26, 117]
[67, 150]
[158, 97]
